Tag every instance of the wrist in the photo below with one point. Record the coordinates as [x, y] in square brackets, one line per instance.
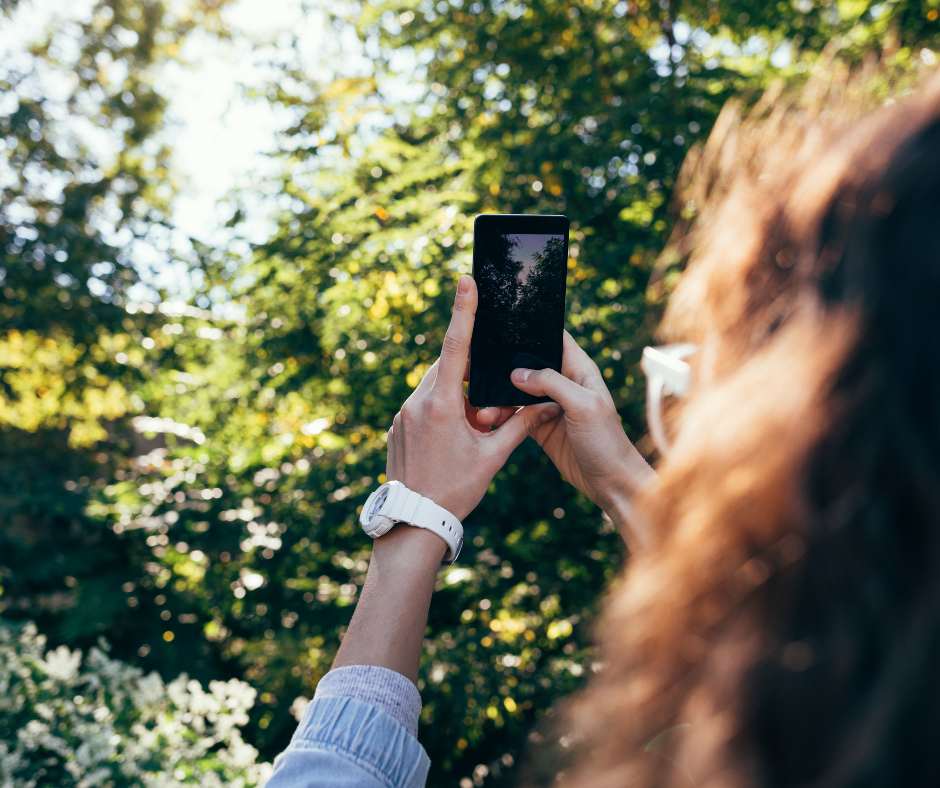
[617, 497]
[443, 495]
[396, 503]
[617, 508]
[415, 548]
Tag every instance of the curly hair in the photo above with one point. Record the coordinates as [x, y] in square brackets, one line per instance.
[784, 629]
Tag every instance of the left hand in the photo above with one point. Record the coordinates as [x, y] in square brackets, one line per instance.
[585, 440]
[436, 446]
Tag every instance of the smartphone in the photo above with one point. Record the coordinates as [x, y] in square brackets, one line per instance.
[520, 264]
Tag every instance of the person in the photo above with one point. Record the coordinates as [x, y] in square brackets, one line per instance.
[779, 623]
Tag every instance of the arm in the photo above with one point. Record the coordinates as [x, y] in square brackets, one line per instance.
[387, 628]
[360, 728]
[437, 448]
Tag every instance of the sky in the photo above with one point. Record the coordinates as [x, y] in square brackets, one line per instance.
[219, 136]
[529, 244]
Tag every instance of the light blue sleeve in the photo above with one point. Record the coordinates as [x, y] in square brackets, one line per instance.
[348, 742]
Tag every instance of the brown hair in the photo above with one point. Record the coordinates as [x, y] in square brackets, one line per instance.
[785, 627]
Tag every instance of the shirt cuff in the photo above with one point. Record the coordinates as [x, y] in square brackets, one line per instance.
[385, 689]
[344, 742]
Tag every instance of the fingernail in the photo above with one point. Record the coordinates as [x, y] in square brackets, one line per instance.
[463, 284]
[521, 375]
[548, 414]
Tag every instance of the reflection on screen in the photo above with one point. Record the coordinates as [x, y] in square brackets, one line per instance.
[521, 281]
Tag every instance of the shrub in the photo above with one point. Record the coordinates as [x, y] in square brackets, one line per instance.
[66, 721]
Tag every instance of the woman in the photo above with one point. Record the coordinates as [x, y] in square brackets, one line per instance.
[780, 620]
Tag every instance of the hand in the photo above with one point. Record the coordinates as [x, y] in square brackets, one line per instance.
[436, 445]
[585, 440]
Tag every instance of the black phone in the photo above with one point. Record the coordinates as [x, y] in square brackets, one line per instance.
[520, 264]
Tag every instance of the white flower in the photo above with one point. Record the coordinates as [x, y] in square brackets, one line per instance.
[149, 691]
[123, 724]
[62, 664]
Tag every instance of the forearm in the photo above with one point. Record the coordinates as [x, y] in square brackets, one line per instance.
[387, 628]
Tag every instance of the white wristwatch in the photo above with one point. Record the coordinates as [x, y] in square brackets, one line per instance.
[394, 503]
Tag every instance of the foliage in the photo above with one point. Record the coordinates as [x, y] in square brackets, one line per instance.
[84, 179]
[99, 722]
[222, 537]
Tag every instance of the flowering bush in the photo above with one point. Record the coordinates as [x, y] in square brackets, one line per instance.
[99, 722]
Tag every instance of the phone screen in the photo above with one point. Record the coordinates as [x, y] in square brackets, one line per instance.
[519, 265]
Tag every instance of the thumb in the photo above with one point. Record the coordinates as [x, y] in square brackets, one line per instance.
[549, 383]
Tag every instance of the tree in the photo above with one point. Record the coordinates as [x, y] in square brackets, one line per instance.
[498, 283]
[543, 288]
[71, 208]
[233, 548]
[86, 189]
[498, 277]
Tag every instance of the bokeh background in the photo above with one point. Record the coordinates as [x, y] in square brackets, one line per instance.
[229, 239]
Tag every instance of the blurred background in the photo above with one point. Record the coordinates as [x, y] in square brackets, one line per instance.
[230, 234]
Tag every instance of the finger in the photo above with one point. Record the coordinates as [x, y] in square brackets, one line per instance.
[541, 420]
[488, 415]
[548, 383]
[525, 421]
[578, 366]
[455, 350]
[573, 357]
[466, 372]
[473, 416]
[544, 413]
[495, 416]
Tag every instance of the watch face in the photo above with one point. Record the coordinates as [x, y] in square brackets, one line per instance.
[376, 503]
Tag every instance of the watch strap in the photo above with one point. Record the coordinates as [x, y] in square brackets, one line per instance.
[414, 509]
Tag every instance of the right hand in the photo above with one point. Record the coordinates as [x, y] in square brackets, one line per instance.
[583, 437]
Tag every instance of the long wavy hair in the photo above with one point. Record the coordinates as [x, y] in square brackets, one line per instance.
[784, 627]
